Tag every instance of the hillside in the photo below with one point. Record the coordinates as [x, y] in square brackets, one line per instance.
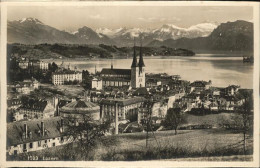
[230, 36]
[57, 51]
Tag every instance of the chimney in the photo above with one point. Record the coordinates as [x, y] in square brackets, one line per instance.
[42, 128]
[25, 131]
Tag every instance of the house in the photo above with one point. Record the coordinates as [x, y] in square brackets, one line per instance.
[231, 90]
[34, 109]
[44, 65]
[96, 83]
[23, 64]
[26, 86]
[14, 103]
[34, 135]
[198, 86]
[153, 82]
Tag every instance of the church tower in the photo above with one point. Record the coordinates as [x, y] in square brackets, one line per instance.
[141, 73]
[137, 70]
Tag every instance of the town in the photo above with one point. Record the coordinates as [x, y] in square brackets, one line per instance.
[44, 99]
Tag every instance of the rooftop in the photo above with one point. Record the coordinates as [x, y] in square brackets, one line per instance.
[123, 102]
[15, 130]
[109, 71]
[80, 106]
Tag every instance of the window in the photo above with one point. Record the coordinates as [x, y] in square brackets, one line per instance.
[45, 141]
[31, 145]
[53, 144]
[39, 143]
[24, 146]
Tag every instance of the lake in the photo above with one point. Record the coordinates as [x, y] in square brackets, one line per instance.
[222, 69]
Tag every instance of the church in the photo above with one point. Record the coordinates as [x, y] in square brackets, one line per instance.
[134, 77]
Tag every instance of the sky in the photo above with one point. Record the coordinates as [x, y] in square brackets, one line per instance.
[72, 18]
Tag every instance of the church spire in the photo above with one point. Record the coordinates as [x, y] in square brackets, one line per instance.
[141, 61]
[134, 63]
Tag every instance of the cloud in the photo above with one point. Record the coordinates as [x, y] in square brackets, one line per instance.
[98, 16]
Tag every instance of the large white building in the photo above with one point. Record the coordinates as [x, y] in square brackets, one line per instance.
[66, 75]
[44, 65]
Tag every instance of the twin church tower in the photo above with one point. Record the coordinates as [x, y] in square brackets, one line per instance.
[137, 70]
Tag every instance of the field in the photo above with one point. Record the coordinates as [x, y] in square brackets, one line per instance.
[212, 119]
[210, 144]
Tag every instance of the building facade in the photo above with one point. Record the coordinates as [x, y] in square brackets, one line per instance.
[127, 108]
[35, 109]
[96, 83]
[26, 86]
[28, 136]
[65, 76]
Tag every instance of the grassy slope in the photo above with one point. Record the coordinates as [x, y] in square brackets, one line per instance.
[212, 119]
[188, 144]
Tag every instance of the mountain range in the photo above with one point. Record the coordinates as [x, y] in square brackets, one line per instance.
[231, 36]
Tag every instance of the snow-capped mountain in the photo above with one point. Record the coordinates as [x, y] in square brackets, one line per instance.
[33, 31]
[168, 31]
[230, 36]
[30, 20]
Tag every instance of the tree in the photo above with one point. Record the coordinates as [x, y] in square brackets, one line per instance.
[173, 118]
[243, 120]
[53, 67]
[87, 133]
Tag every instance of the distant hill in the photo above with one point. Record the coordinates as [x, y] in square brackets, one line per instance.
[230, 36]
[57, 51]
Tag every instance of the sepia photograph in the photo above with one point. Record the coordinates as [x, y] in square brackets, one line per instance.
[131, 82]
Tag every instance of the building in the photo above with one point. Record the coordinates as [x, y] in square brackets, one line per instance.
[127, 108]
[44, 65]
[23, 64]
[79, 109]
[138, 71]
[33, 65]
[14, 103]
[153, 82]
[198, 86]
[34, 109]
[27, 136]
[115, 77]
[26, 86]
[96, 83]
[134, 77]
[231, 90]
[66, 76]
